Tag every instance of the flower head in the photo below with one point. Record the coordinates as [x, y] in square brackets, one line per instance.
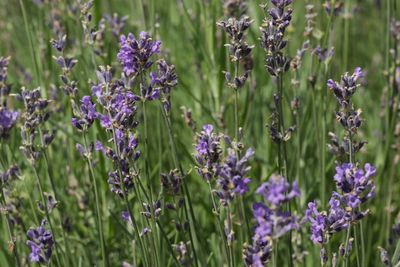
[345, 89]
[41, 244]
[135, 54]
[8, 119]
[278, 191]
[208, 152]
[233, 178]
[87, 114]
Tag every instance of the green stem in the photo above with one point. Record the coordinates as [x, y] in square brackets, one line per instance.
[346, 255]
[47, 213]
[219, 223]
[146, 161]
[185, 188]
[9, 230]
[98, 209]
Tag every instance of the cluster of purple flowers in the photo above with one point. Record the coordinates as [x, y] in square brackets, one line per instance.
[272, 221]
[355, 187]
[117, 117]
[208, 153]
[35, 115]
[272, 36]
[162, 82]
[11, 173]
[349, 117]
[238, 48]
[230, 172]
[135, 54]
[235, 8]
[8, 118]
[41, 244]
[232, 176]
[346, 88]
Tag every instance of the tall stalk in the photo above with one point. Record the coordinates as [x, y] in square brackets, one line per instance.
[188, 207]
[99, 221]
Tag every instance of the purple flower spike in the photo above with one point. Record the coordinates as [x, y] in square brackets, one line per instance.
[135, 54]
[232, 176]
[7, 121]
[208, 153]
[87, 114]
[345, 89]
[278, 191]
[41, 243]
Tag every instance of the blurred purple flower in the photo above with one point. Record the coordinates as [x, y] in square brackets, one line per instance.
[277, 191]
[41, 244]
[8, 119]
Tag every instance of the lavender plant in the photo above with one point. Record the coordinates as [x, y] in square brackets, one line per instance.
[109, 176]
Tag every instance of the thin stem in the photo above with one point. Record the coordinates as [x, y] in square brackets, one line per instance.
[230, 244]
[146, 161]
[185, 188]
[98, 210]
[219, 223]
[47, 212]
[53, 187]
[135, 225]
[9, 230]
[346, 255]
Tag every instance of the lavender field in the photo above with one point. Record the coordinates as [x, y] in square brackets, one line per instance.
[219, 133]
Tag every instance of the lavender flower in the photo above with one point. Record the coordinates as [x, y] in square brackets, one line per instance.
[333, 8]
[162, 83]
[117, 101]
[4, 87]
[323, 54]
[323, 224]
[238, 49]
[87, 114]
[235, 8]
[257, 254]
[135, 54]
[171, 183]
[41, 244]
[116, 23]
[34, 116]
[272, 36]
[11, 173]
[271, 224]
[271, 221]
[356, 187]
[59, 43]
[356, 184]
[233, 180]
[183, 253]
[208, 153]
[118, 117]
[345, 89]
[278, 191]
[349, 117]
[8, 119]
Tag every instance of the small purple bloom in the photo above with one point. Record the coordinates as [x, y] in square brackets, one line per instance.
[7, 121]
[232, 174]
[41, 244]
[345, 89]
[87, 114]
[135, 54]
[208, 153]
[278, 191]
